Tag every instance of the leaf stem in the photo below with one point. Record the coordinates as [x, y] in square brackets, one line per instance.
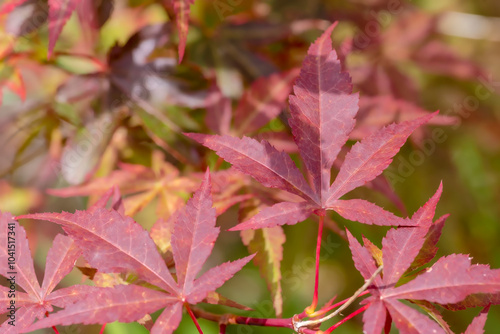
[327, 309]
[191, 314]
[310, 309]
[352, 315]
[312, 322]
[102, 329]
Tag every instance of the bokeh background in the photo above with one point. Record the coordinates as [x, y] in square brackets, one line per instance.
[405, 58]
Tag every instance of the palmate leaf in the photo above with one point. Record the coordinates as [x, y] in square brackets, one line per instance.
[112, 242]
[323, 109]
[35, 301]
[449, 281]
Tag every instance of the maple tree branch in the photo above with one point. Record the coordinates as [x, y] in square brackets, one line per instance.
[191, 314]
[312, 322]
[327, 309]
[310, 309]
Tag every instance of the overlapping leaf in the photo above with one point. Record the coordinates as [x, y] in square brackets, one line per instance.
[450, 280]
[112, 242]
[35, 301]
[323, 111]
[59, 12]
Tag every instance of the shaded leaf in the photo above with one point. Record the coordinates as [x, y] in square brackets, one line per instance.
[429, 249]
[402, 245]
[267, 244]
[263, 101]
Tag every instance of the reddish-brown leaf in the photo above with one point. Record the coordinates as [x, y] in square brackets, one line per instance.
[322, 101]
[367, 213]
[401, 246]
[112, 242]
[23, 264]
[263, 101]
[363, 261]
[260, 160]
[409, 320]
[192, 242]
[284, 213]
[369, 157]
[60, 261]
[374, 318]
[194, 236]
[124, 303]
[449, 280]
[429, 249]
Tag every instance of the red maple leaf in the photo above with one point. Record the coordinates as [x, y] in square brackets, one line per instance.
[112, 242]
[323, 109]
[450, 280]
[35, 301]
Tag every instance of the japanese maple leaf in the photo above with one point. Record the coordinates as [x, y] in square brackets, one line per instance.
[35, 301]
[450, 280]
[323, 109]
[112, 242]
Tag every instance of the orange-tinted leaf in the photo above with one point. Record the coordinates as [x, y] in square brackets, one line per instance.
[267, 244]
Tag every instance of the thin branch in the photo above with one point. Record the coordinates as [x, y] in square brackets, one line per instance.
[308, 323]
[194, 318]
